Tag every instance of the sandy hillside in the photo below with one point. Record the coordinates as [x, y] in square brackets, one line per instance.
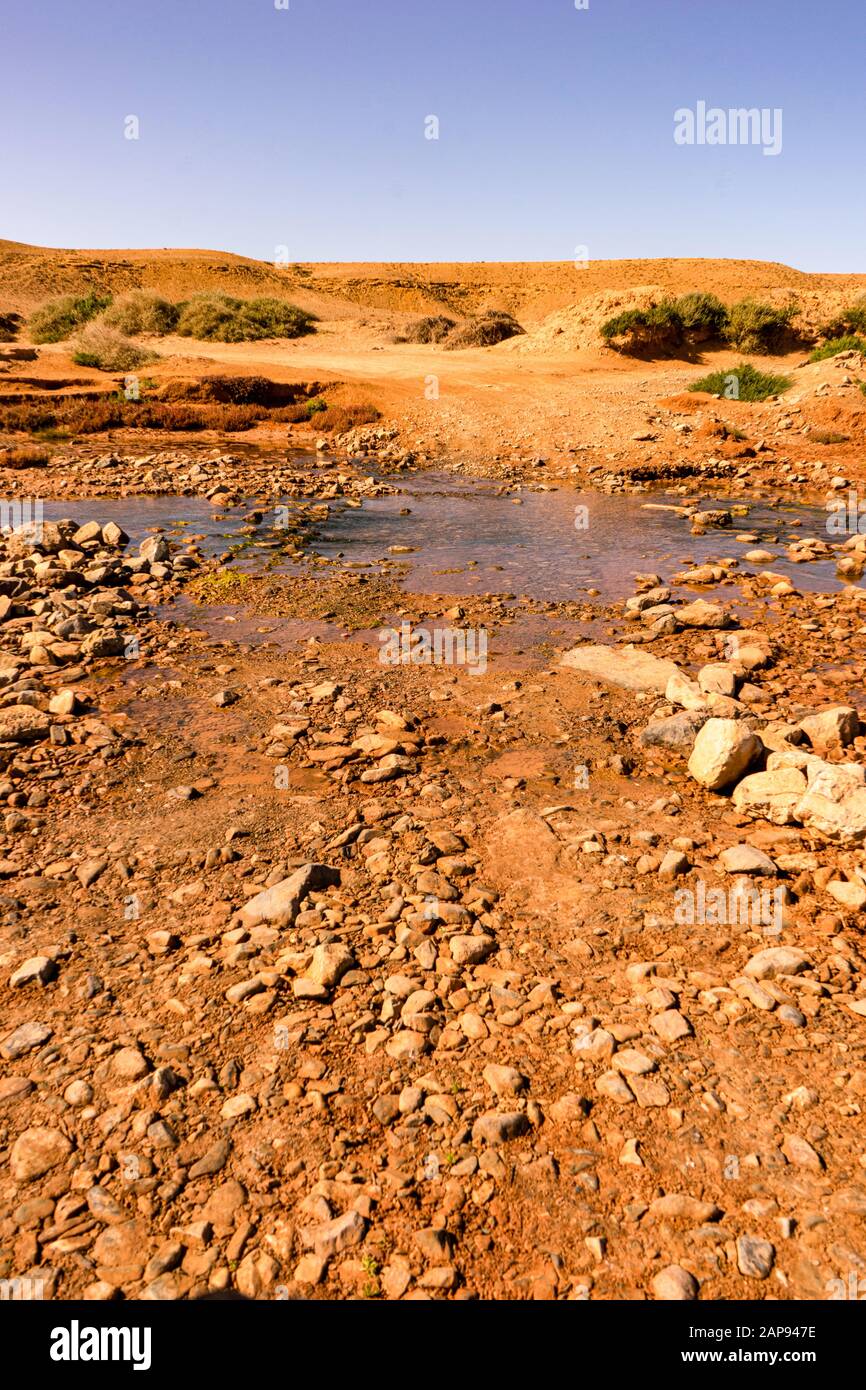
[534, 289]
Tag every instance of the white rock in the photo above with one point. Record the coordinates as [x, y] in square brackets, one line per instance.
[746, 859]
[279, 905]
[777, 960]
[831, 728]
[718, 679]
[675, 1284]
[850, 895]
[628, 667]
[680, 690]
[772, 796]
[722, 752]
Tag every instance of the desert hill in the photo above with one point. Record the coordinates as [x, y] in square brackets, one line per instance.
[532, 289]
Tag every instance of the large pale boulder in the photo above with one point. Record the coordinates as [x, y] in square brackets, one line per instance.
[747, 650]
[800, 758]
[747, 859]
[831, 728]
[329, 964]
[771, 796]
[722, 752]
[628, 667]
[717, 679]
[703, 614]
[834, 803]
[279, 906]
[36, 1152]
[681, 690]
[777, 960]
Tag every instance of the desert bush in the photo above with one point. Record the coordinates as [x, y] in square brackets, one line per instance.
[339, 418]
[657, 329]
[26, 456]
[828, 437]
[98, 345]
[141, 311]
[703, 316]
[432, 329]
[115, 412]
[59, 318]
[742, 383]
[173, 415]
[847, 321]
[248, 390]
[236, 390]
[300, 411]
[486, 329]
[9, 326]
[294, 414]
[77, 416]
[756, 327]
[28, 417]
[693, 318]
[220, 318]
[207, 316]
[850, 343]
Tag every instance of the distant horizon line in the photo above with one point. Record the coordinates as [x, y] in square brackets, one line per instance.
[408, 260]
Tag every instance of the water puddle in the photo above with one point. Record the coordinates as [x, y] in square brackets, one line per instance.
[448, 535]
[468, 538]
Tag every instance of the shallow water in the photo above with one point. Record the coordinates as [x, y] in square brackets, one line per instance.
[532, 546]
[466, 539]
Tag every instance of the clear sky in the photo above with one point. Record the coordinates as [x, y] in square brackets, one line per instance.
[305, 128]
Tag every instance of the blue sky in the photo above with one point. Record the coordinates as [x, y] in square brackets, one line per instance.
[304, 128]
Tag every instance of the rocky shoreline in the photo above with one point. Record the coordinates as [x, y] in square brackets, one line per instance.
[330, 978]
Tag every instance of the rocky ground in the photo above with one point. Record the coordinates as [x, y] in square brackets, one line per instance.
[327, 978]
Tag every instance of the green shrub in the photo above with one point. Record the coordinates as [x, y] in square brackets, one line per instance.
[142, 311]
[486, 329]
[222, 319]
[755, 327]
[848, 344]
[663, 327]
[99, 346]
[59, 318]
[702, 315]
[340, 417]
[303, 410]
[847, 321]
[742, 383]
[656, 329]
